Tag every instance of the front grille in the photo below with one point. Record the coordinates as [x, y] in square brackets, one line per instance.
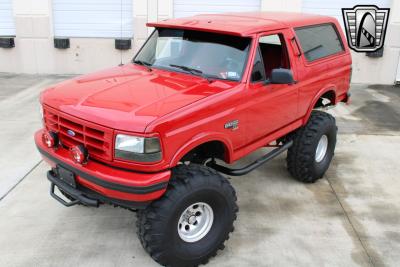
[97, 139]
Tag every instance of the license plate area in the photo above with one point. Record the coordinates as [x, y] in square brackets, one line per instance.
[66, 176]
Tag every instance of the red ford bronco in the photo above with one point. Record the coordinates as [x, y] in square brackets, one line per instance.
[150, 136]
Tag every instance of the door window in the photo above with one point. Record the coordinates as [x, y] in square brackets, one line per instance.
[272, 53]
[258, 73]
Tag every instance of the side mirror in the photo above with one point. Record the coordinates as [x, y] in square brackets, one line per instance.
[281, 76]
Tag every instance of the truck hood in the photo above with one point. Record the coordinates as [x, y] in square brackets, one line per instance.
[129, 97]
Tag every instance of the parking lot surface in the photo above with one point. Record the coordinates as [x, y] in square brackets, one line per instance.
[351, 217]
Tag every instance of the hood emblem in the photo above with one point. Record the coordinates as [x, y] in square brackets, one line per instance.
[71, 133]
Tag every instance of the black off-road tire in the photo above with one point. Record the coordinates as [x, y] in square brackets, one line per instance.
[301, 159]
[157, 225]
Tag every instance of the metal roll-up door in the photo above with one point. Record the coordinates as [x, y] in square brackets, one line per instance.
[7, 26]
[186, 8]
[93, 18]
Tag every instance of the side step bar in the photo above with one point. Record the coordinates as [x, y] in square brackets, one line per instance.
[252, 166]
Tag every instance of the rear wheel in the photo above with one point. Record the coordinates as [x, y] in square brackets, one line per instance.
[191, 222]
[313, 148]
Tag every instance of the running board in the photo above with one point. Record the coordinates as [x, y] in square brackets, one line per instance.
[245, 170]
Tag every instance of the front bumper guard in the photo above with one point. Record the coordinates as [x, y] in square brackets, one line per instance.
[87, 197]
[78, 196]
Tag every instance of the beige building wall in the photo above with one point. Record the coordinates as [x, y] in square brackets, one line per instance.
[282, 5]
[34, 50]
[381, 70]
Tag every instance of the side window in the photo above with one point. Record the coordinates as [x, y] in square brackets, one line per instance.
[273, 52]
[258, 73]
[319, 41]
[270, 39]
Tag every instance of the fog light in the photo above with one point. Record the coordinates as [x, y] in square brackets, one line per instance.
[50, 139]
[79, 153]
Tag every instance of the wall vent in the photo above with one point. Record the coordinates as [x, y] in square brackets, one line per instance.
[377, 53]
[7, 42]
[61, 43]
[123, 44]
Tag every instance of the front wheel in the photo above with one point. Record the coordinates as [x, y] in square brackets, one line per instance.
[313, 148]
[191, 222]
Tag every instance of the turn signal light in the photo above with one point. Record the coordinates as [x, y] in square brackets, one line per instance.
[79, 154]
[50, 139]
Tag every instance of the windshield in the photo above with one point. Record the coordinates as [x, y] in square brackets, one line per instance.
[204, 54]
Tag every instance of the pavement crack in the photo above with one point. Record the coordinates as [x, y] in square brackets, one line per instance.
[29, 172]
[351, 224]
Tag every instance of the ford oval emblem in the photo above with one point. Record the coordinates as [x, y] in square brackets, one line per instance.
[71, 133]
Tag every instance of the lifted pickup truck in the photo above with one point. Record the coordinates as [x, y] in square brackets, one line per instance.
[151, 135]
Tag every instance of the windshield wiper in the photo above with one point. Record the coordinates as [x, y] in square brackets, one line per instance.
[192, 71]
[143, 63]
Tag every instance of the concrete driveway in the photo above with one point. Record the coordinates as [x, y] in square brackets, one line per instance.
[349, 218]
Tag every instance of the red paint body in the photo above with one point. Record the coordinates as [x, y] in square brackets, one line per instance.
[186, 111]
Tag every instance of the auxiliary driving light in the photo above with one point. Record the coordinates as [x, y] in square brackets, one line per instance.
[50, 139]
[79, 153]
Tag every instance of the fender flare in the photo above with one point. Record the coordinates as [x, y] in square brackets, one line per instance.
[201, 139]
[321, 92]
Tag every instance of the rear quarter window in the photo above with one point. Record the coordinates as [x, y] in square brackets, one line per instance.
[319, 41]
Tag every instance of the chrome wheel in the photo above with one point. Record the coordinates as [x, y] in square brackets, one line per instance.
[195, 222]
[322, 147]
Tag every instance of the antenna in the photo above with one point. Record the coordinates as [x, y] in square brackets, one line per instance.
[120, 63]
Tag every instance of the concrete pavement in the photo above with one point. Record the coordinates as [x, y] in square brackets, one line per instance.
[349, 218]
[20, 117]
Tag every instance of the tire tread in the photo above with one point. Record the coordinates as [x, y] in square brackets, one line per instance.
[299, 155]
[183, 176]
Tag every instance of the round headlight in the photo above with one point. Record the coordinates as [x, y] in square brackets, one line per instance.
[50, 139]
[79, 153]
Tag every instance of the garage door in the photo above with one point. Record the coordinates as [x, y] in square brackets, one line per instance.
[93, 18]
[7, 26]
[334, 7]
[186, 8]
